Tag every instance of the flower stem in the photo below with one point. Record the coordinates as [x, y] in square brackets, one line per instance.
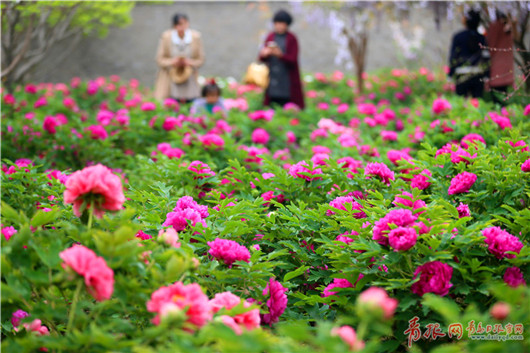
[74, 304]
[90, 217]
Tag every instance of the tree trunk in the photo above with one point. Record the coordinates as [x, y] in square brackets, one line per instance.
[357, 46]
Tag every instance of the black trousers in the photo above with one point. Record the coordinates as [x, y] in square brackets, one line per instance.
[280, 101]
[473, 87]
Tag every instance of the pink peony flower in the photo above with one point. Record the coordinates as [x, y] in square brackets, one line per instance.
[337, 283]
[400, 217]
[37, 327]
[249, 320]
[377, 298]
[514, 277]
[148, 106]
[406, 199]
[170, 123]
[8, 232]
[212, 140]
[17, 317]
[228, 251]
[260, 136]
[186, 210]
[202, 169]
[266, 115]
[144, 236]
[380, 170]
[345, 237]
[435, 278]
[471, 139]
[389, 135]
[50, 124]
[302, 167]
[170, 237]
[277, 301]
[97, 132]
[502, 121]
[463, 210]
[402, 238]
[461, 183]
[440, 106]
[340, 202]
[421, 181]
[500, 241]
[461, 155]
[500, 311]
[179, 297]
[291, 137]
[348, 335]
[94, 186]
[520, 143]
[99, 278]
[525, 167]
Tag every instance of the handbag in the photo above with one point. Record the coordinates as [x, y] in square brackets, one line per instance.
[257, 74]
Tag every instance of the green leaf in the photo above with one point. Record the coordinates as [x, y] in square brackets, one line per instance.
[294, 273]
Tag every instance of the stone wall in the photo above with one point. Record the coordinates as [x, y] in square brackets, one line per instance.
[232, 32]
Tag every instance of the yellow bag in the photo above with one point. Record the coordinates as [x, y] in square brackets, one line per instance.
[257, 74]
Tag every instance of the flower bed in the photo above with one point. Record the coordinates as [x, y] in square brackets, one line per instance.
[367, 222]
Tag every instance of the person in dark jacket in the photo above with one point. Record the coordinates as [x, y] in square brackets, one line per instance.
[469, 58]
[280, 53]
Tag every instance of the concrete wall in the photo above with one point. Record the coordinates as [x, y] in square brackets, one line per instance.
[231, 34]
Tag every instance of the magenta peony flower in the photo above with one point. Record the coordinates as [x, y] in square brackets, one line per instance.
[500, 241]
[302, 167]
[337, 283]
[8, 232]
[202, 169]
[277, 301]
[260, 136]
[440, 105]
[461, 155]
[170, 123]
[186, 210]
[345, 238]
[380, 170]
[435, 278]
[406, 199]
[179, 297]
[400, 217]
[377, 298]
[17, 317]
[266, 115]
[50, 124]
[212, 140]
[514, 277]
[471, 139]
[421, 181]
[463, 210]
[526, 110]
[340, 202]
[94, 186]
[99, 278]
[348, 335]
[525, 167]
[389, 135]
[520, 143]
[97, 132]
[228, 251]
[402, 238]
[502, 121]
[461, 183]
[148, 106]
[249, 320]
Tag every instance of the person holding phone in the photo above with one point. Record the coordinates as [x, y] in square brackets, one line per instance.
[280, 53]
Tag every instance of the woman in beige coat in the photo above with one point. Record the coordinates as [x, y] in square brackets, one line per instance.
[179, 48]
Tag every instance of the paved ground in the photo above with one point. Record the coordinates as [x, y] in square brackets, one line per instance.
[231, 32]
